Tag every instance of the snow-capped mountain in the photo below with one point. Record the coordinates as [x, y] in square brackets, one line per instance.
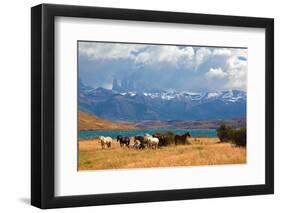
[227, 96]
[162, 105]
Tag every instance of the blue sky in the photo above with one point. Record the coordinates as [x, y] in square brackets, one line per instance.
[167, 67]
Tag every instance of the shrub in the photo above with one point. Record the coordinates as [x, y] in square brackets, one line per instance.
[239, 137]
[169, 137]
[224, 133]
[236, 136]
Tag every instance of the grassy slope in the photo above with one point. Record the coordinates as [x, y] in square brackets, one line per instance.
[91, 122]
[203, 151]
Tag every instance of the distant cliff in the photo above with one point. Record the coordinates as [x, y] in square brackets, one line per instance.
[124, 85]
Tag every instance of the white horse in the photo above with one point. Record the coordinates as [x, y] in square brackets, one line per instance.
[137, 144]
[151, 142]
[105, 141]
[134, 143]
[131, 143]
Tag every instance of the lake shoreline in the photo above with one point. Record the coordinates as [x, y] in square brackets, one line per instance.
[92, 134]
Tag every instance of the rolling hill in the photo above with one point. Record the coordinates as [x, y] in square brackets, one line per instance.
[91, 122]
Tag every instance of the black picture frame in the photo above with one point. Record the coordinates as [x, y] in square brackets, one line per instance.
[43, 102]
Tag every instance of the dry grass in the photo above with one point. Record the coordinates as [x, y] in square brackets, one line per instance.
[202, 151]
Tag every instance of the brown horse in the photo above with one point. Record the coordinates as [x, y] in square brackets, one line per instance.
[181, 139]
[162, 139]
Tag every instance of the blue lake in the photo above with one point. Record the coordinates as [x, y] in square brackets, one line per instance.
[89, 134]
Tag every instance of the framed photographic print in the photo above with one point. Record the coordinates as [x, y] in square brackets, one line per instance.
[140, 106]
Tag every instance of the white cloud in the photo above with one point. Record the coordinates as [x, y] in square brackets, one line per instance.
[216, 73]
[222, 52]
[108, 50]
[169, 54]
[140, 53]
[201, 55]
[229, 65]
[233, 72]
[237, 70]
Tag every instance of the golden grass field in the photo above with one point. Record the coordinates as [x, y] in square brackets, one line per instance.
[202, 151]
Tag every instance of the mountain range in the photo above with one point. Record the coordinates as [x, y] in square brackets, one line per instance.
[158, 104]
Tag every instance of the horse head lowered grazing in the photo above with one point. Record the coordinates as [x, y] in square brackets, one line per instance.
[152, 142]
[105, 141]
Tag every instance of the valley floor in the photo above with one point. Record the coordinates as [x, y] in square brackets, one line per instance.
[202, 151]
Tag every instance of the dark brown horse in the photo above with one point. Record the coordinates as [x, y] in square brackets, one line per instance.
[181, 139]
[162, 139]
[123, 140]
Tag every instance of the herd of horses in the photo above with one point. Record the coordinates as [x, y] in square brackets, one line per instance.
[143, 141]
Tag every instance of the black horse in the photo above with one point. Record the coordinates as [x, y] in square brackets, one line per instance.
[181, 139]
[123, 140]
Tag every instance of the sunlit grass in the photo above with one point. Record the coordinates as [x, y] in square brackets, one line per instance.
[202, 151]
